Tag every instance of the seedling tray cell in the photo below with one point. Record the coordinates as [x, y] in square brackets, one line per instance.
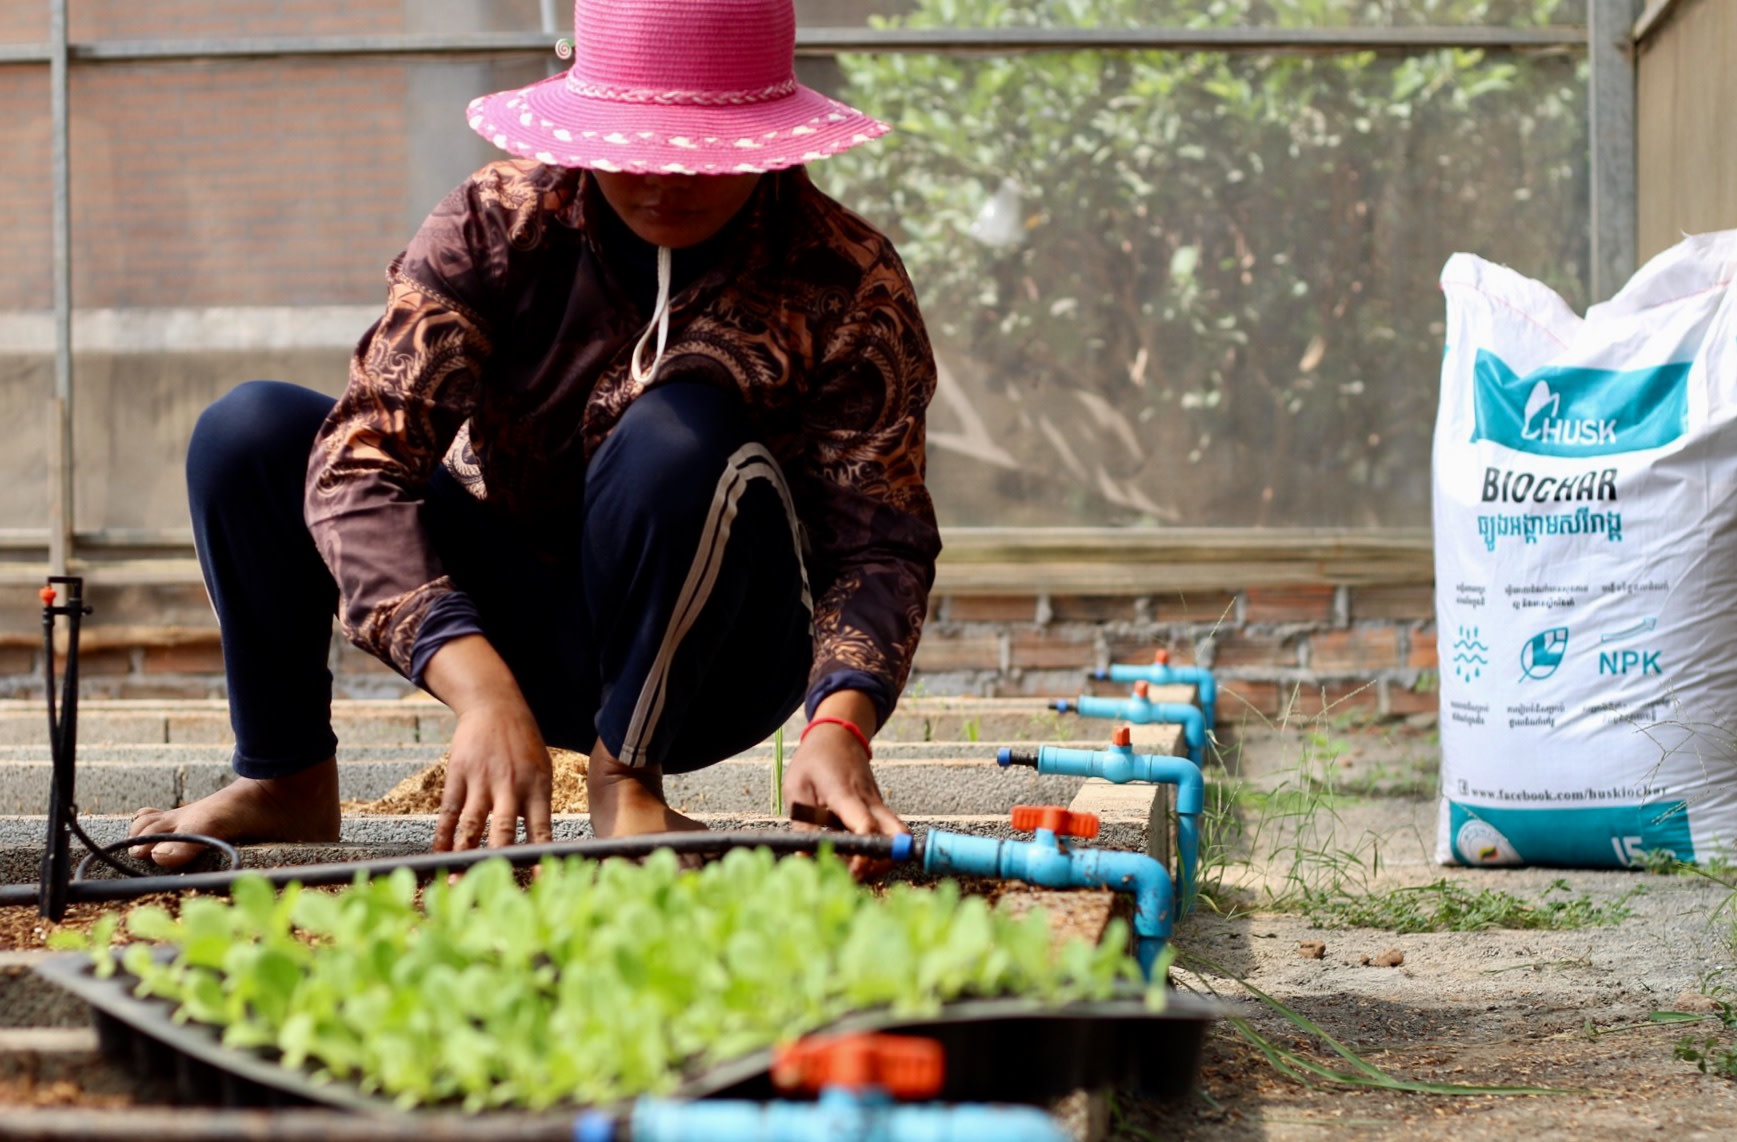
[997, 1050]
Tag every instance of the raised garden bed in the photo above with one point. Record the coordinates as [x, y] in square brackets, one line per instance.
[1119, 1042]
[1089, 1026]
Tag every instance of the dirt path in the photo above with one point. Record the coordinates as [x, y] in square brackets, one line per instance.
[1574, 1010]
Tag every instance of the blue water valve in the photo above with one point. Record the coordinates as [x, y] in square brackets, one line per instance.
[1139, 708]
[1161, 673]
[1121, 765]
[1049, 862]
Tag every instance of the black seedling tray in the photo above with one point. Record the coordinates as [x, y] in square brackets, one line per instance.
[997, 1050]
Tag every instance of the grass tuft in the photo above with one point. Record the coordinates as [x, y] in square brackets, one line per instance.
[1449, 906]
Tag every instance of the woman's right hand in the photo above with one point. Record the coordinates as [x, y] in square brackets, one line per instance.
[498, 770]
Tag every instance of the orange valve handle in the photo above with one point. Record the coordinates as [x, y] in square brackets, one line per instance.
[1061, 822]
[47, 596]
[903, 1066]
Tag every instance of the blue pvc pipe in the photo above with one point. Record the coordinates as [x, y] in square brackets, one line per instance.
[1121, 765]
[1044, 861]
[1143, 711]
[840, 1115]
[1163, 674]
[1188, 855]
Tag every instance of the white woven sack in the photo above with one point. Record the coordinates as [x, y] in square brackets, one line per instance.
[1586, 565]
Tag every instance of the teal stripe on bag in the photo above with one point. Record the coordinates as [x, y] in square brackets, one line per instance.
[1607, 837]
[1579, 412]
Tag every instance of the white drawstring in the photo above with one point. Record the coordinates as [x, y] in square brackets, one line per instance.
[642, 374]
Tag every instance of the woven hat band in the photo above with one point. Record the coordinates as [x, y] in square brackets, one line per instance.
[613, 94]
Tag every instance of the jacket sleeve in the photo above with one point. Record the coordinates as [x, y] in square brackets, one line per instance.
[412, 384]
[872, 523]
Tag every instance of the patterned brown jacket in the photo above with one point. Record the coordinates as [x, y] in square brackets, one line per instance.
[503, 353]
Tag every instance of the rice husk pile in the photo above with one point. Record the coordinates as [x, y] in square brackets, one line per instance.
[420, 793]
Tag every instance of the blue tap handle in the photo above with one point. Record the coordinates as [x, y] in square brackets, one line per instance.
[1141, 712]
[1121, 765]
[1044, 862]
[839, 1116]
[1163, 674]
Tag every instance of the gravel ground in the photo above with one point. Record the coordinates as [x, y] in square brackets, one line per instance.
[1573, 1011]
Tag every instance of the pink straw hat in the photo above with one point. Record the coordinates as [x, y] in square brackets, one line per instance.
[675, 86]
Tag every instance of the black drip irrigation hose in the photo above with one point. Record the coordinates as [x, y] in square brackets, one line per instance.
[428, 865]
[55, 888]
[104, 853]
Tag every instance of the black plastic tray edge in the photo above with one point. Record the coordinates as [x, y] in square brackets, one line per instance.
[152, 1017]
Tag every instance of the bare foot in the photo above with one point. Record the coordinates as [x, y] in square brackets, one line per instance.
[302, 807]
[628, 802]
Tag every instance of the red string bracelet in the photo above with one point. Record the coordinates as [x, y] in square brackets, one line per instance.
[855, 731]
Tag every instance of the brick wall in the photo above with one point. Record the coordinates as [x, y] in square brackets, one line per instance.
[1278, 654]
[25, 201]
[236, 184]
[248, 182]
[258, 182]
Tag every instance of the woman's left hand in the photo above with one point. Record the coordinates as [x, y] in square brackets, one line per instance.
[830, 771]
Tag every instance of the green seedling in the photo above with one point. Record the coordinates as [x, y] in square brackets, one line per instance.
[597, 982]
[1711, 1055]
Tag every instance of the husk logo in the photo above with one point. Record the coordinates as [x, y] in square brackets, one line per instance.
[1542, 423]
[1579, 412]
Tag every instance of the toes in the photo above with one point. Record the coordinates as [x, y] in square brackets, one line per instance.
[149, 851]
[173, 854]
[146, 820]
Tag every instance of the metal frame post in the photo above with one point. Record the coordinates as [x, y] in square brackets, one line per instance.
[1615, 195]
[60, 456]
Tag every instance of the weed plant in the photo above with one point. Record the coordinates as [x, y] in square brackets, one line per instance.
[1358, 1072]
[1712, 1053]
[1449, 906]
[1278, 845]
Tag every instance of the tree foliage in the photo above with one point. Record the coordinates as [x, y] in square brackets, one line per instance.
[1216, 304]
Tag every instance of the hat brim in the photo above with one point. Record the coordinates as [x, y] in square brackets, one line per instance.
[550, 123]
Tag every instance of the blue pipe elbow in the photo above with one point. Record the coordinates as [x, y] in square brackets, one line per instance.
[1188, 855]
[1120, 764]
[1154, 897]
[1162, 674]
[1044, 862]
[1141, 712]
[840, 1114]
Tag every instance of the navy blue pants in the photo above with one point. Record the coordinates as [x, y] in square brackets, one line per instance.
[680, 635]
